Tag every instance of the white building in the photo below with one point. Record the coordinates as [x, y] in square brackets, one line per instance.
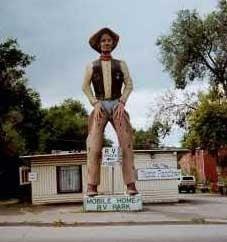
[60, 178]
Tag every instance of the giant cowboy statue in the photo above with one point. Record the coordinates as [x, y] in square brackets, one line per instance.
[107, 76]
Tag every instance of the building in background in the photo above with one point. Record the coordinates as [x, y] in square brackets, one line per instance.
[62, 177]
[206, 167]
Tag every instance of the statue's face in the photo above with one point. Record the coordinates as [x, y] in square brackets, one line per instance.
[106, 43]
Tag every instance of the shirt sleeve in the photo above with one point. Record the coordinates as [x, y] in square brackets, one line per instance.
[86, 87]
[128, 85]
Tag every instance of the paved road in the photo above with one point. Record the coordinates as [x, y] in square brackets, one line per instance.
[193, 207]
[160, 233]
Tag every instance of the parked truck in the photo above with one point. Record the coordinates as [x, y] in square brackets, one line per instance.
[187, 184]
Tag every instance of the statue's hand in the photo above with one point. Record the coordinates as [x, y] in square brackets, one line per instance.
[119, 111]
[98, 111]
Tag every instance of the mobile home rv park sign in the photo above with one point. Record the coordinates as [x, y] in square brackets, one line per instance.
[105, 203]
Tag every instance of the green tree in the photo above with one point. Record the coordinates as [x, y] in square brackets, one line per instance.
[19, 113]
[107, 142]
[196, 48]
[64, 127]
[19, 105]
[207, 125]
[148, 139]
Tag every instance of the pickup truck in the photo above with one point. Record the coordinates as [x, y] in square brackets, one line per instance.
[187, 184]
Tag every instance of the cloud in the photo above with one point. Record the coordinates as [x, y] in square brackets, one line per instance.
[57, 33]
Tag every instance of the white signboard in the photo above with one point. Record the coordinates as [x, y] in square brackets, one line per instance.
[113, 203]
[32, 176]
[161, 165]
[157, 174]
[111, 156]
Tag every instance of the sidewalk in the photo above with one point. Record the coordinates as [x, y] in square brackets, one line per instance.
[192, 209]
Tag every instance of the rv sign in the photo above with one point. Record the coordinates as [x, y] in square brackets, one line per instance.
[110, 156]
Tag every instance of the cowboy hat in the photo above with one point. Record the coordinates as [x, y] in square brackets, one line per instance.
[94, 40]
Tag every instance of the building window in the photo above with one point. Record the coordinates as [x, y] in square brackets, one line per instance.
[23, 174]
[69, 179]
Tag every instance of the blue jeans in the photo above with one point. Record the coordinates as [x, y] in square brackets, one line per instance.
[109, 106]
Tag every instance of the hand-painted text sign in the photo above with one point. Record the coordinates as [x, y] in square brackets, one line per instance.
[110, 156]
[32, 176]
[106, 203]
[156, 174]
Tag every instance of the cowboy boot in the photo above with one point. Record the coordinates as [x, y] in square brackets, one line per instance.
[92, 190]
[131, 189]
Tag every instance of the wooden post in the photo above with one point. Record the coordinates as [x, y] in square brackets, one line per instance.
[112, 179]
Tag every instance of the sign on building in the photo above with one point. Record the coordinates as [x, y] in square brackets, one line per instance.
[113, 203]
[157, 174]
[161, 165]
[32, 176]
[111, 156]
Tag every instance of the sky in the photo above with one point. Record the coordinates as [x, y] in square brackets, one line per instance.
[57, 33]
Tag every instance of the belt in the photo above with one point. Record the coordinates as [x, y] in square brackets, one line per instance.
[106, 99]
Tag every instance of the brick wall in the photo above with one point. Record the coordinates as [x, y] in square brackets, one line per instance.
[203, 165]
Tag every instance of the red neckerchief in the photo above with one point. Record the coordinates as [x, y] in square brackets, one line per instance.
[105, 57]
